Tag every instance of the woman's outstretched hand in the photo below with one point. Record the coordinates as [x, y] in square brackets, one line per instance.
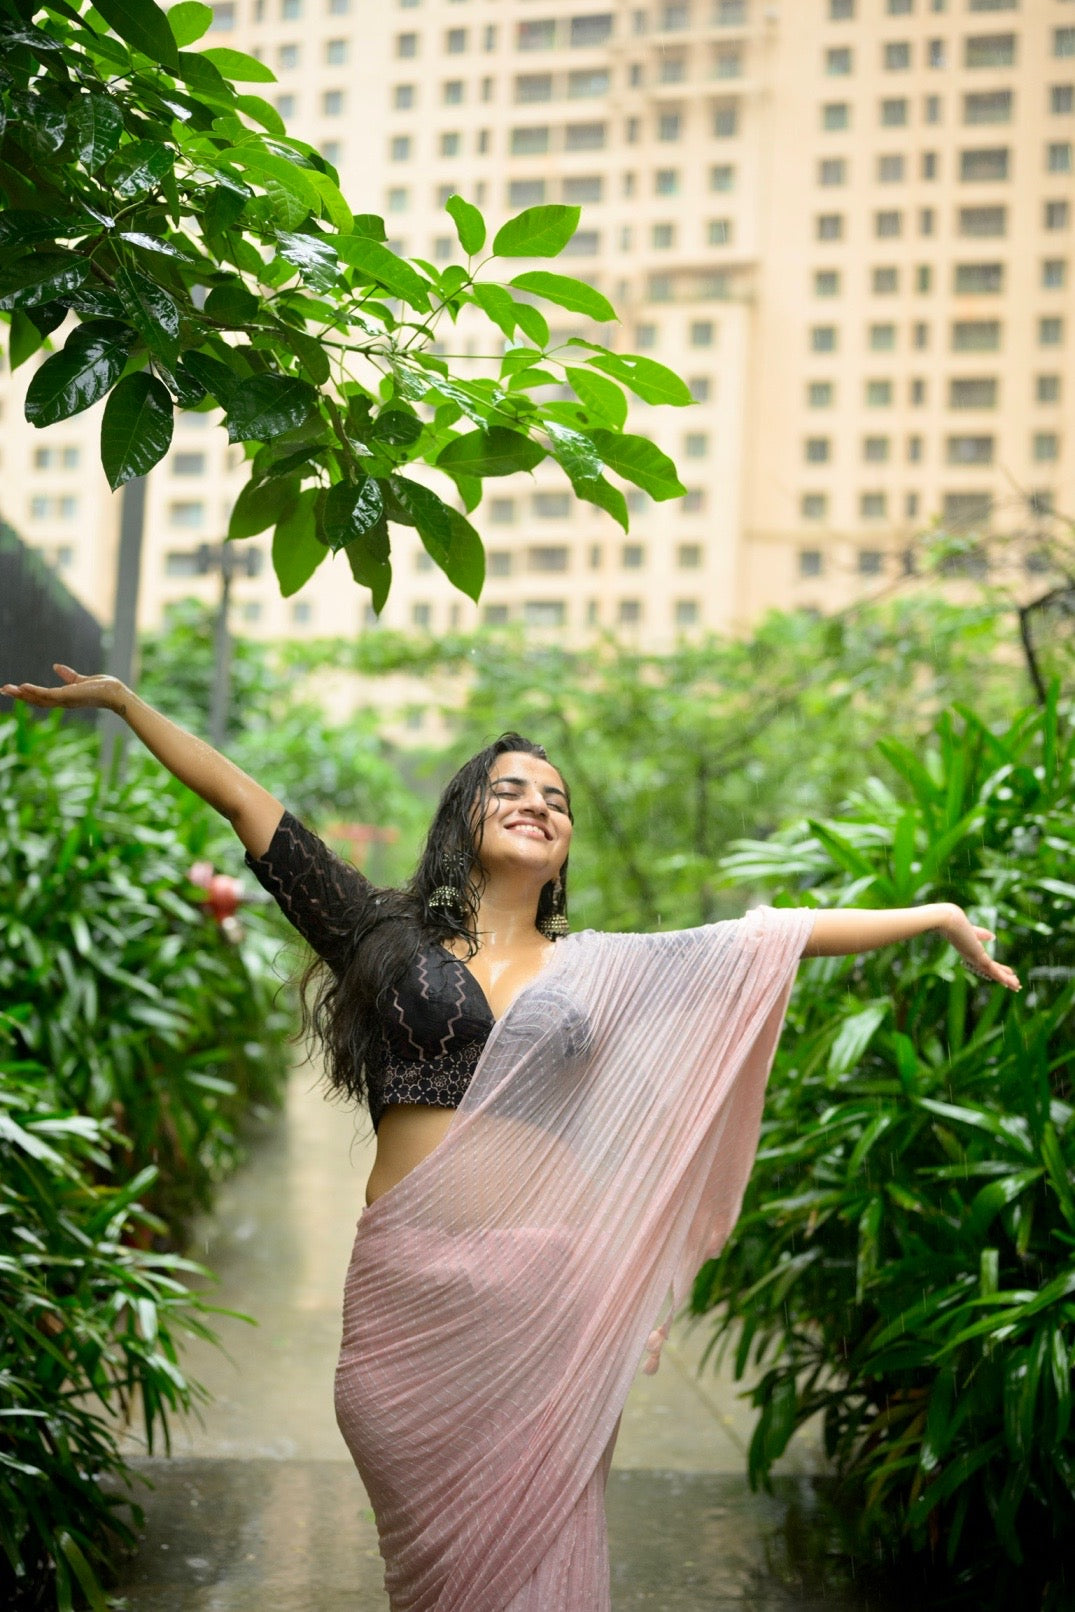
[968, 941]
[75, 692]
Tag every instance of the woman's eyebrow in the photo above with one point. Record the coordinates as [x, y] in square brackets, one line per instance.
[521, 783]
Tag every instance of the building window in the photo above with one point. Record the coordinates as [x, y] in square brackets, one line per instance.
[976, 278]
[531, 140]
[336, 52]
[1054, 273]
[983, 222]
[291, 10]
[719, 232]
[675, 16]
[1047, 389]
[662, 236]
[826, 283]
[1064, 41]
[1058, 157]
[696, 444]
[646, 337]
[810, 560]
[545, 612]
[502, 511]
[894, 113]
[832, 171]
[223, 16]
[693, 501]
[669, 126]
[976, 392]
[871, 562]
[820, 395]
[547, 557]
[526, 192]
[183, 563]
[400, 148]
[885, 282]
[878, 394]
[332, 103]
[587, 84]
[1045, 447]
[964, 450]
[287, 58]
[823, 339]
[630, 612]
[700, 388]
[702, 333]
[830, 226]
[896, 56]
[686, 613]
[666, 182]
[988, 106]
[722, 176]
[817, 450]
[529, 87]
[989, 50]
[890, 169]
[888, 225]
[188, 464]
[585, 137]
[726, 121]
[189, 513]
[875, 450]
[914, 450]
[552, 506]
[937, 54]
[672, 70]
[917, 393]
[841, 10]
[406, 46]
[1057, 215]
[838, 61]
[499, 562]
[882, 338]
[967, 509]
[583, 188]
[399, 199]
[591, 30]
[495, 615]
[403, 97]
[285, 105]
[976, 336]
[873, 506]
[988, 164]
[1050, 332]
[689, 556]
[632, 556]
[452, 92]
[1062, 99]
[836, 115]
[455, 41]
[450, 144]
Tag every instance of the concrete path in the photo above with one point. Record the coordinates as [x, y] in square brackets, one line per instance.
[260, 1508]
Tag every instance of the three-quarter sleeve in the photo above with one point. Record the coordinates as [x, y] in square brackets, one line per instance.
[324, 898]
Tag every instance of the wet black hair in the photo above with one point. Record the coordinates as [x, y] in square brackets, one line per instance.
[341, 1008]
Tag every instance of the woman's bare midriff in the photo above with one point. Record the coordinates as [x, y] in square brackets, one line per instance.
[407, 1134]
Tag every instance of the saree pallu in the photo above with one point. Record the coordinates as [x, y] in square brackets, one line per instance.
[501, 1296]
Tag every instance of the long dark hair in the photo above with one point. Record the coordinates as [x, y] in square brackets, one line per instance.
[384, 934]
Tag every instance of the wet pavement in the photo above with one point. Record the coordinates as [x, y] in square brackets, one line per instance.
[260, 1510]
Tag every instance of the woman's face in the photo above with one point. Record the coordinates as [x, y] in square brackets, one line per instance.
[527, 822]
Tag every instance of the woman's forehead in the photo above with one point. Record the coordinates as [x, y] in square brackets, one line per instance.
[520, 764]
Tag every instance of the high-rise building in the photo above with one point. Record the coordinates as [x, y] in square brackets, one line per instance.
[846, 223]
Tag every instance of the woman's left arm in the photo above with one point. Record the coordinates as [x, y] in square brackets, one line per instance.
[840, 932]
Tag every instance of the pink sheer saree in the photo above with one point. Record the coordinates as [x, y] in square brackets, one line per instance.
[501, 1296]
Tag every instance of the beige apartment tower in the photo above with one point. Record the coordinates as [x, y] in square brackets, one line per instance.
[848, 224]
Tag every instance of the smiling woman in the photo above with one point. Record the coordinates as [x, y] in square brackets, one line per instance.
[565, 1128]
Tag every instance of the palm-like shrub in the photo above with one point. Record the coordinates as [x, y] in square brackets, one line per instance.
[905, 1263]
[134, 1041]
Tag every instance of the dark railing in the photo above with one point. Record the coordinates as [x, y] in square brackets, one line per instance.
[40, 621]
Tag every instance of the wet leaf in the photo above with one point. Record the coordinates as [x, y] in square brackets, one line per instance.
[136, 428]
[267, 406]
[86, 369]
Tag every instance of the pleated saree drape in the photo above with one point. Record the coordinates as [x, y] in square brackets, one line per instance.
[500, 1297]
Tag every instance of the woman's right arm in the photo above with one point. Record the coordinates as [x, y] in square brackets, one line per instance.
[251, 810]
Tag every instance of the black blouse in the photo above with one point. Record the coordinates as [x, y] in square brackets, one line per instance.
[433, 1025]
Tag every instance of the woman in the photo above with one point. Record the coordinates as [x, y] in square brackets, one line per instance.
[565, 1126]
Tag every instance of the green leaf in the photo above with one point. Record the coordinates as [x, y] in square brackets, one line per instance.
[138, 168]
[447, 536]
[264, 165]
[219, 380]
[144, 25]
[599, 395]
[88, 366]
[575, 452]
[640, 461]
[237, 66]
[652, 382]
[371, 570]
[307, 349]
[136, 428]
[19, 226]
[372, 259]
[261, 505]
[498, 305]
[41, 277]
[151, 310]
[495, 452]
[537, 232]
[267, 406]
[156, 243]
[333, 203]
[469, 224]
[25, 339]
[854, 1036]
[296, 549]
[313, 256]
[369, 225]
[189, 21]
[566, 292]
[232, 305]
[98, 124]
[261, 111]
[532, 322]
[351, 510]
[397, 426]
[596, 490]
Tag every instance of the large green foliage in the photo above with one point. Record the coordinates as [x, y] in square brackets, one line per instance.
[134, 1041]
[212, 261]
[905, 1264]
